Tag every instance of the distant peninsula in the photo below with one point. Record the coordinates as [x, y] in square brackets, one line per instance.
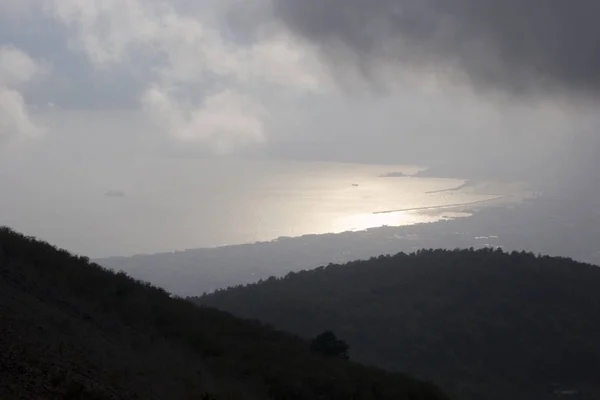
[394, 175]
[115, 194]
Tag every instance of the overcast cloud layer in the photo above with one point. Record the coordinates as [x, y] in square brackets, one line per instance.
[523, 46]
[271, 75]
[173, 64]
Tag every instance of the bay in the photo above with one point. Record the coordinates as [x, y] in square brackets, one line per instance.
[155, 205]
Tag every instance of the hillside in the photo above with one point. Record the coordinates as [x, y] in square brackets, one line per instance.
[483, 324]
[70, 329]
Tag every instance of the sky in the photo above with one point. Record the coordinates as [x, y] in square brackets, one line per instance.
[96, 86]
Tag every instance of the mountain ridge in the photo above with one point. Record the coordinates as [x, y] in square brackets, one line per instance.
[481, 323]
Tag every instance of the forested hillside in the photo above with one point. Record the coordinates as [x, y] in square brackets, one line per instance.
[483, 324]
[70, 329]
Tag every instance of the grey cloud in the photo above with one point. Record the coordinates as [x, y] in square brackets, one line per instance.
[74, 83]
[523, 47]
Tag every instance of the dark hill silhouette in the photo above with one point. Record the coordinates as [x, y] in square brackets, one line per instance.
[70, 329]
[483, 324]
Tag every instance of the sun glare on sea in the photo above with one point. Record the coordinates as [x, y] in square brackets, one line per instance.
[361, 222]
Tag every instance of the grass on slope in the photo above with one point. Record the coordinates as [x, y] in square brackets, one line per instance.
[70, 329]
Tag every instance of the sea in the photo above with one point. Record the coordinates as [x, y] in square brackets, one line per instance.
[176, 204]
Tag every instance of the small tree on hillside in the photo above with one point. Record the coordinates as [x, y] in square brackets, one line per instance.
[328, 345]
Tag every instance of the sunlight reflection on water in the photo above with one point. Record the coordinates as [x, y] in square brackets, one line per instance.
[359, 222]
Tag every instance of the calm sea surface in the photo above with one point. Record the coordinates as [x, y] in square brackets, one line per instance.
[178, 204]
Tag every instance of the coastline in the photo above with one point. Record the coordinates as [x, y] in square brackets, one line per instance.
[467, 183]
[441, 207]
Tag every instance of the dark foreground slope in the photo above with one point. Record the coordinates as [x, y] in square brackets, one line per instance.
[482, 324]
[72, 330]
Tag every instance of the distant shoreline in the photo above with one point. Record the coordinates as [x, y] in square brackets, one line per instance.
[440, 207]
[459, 187]
[395, 175]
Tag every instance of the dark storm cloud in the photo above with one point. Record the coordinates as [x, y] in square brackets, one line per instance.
[523, 46]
